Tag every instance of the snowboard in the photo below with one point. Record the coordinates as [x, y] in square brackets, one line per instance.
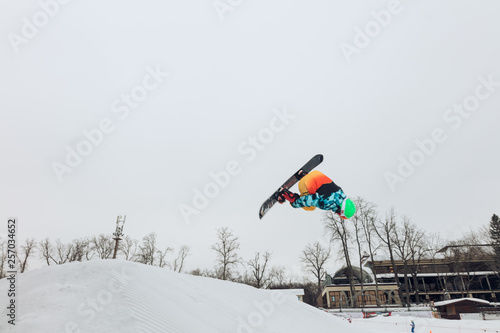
[308, 167]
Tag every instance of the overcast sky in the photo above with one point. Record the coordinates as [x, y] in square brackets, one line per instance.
[133, 107]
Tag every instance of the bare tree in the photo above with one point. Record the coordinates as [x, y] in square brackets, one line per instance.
[259, 275]
[277, 275]
[339, 232]
[493, 238]
[418, 247]
[357, 222]
[62, 252]
[406, 244]
[77, 250]
[26, 250]
[103, 245]
[162, 262]
[196, 272]
[434, 244]
[467, 256]
[226, 250]
[47, 251]
[178, 263]
[401, 248]
[314, 257]
[80, 250]
[129, 247]
[204, 273]
[364, 222]
[147, 250]
[386, 232]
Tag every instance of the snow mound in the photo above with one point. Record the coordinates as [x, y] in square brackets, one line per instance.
[120, 296]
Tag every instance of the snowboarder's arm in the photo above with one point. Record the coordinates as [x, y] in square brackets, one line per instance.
[333, 202]
[306, 201]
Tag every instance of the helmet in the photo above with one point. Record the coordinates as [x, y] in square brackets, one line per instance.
[347, 209]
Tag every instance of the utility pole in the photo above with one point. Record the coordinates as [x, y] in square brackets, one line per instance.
[120, 221]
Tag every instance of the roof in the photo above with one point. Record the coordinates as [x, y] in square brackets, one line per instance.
[444, 249]
[366, 273]
[296, 292]
[385, 257]
[476, 300]
[391, 275]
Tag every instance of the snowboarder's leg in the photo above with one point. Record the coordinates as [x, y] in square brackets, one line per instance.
[304, 190]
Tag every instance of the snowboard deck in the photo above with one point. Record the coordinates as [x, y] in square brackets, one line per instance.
[308, 167]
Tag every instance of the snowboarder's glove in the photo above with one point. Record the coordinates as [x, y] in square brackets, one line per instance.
[280, 198]
[290, 196]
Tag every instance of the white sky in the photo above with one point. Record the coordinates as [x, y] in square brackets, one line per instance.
[361, 111]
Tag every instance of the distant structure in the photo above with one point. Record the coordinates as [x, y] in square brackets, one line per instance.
[336, 292]
[456, 308]
[120, 221]
[456, 272]
[297, 292]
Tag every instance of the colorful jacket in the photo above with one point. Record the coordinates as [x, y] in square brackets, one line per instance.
[317, 190]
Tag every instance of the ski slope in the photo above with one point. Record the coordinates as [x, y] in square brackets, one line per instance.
[120, 296]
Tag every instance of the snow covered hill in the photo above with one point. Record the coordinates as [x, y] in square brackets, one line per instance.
[120, 296]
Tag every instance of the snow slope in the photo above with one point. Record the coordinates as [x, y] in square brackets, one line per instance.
[120, 296]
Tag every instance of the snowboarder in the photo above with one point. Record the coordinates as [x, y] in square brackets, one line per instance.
[317, 190]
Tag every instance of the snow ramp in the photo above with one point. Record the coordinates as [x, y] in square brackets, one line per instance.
[120, 296]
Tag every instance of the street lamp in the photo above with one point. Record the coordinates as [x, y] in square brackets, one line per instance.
[120, 221]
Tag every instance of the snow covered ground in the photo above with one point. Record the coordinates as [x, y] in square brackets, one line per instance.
[120, 296]
[399, 324]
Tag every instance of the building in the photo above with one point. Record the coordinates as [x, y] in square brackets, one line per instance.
[452, 309]
[336, 292]
[443, 278]
[299, 293]
[455, 272]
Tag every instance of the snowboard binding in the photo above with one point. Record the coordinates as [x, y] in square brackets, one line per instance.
[300, 174]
